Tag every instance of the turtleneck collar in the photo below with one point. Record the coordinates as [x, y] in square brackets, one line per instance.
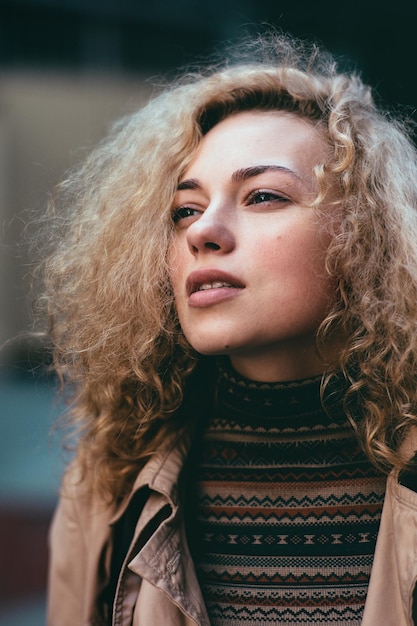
[297, 401]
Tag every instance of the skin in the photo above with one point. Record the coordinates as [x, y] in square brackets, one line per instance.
[247, 257]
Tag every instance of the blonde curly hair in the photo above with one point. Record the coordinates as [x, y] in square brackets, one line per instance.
[112, 321]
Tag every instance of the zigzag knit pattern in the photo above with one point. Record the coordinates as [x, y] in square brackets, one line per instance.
[287, 508]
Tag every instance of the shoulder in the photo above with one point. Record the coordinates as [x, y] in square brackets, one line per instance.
[78, 540]
[81, 509]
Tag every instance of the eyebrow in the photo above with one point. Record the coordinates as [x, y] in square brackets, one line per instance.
[241, 175]
[250, 172]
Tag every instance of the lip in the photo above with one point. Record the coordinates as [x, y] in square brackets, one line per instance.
[201, 298]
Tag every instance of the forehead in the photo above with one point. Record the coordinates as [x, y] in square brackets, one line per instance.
[268, 137]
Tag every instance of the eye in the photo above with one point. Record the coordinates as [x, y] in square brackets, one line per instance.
[183, 212]
[260, 197]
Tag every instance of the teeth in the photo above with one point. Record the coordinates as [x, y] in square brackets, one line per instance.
[214, 285]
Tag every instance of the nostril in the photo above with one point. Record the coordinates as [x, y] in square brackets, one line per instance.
[211, 245]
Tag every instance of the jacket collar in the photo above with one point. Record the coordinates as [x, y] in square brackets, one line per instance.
[160, 474]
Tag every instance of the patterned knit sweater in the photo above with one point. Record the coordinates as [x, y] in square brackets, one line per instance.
[287, 508]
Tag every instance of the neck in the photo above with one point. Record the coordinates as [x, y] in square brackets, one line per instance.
[272, 370]
[292, 361]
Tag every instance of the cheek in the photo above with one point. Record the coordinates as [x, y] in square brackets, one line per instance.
[297, 260]
[293, 253]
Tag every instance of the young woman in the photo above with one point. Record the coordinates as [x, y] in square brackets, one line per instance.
[233, 304]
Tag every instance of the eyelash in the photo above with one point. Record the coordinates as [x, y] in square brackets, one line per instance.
[255, 197]
[178, 213]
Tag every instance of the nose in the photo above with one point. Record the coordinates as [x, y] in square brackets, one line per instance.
[212, 232]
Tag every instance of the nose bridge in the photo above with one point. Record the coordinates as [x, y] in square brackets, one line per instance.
[214, 228]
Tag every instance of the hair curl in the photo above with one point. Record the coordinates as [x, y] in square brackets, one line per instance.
[115, 333]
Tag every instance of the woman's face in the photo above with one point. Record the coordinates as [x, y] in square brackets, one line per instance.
[247, 257]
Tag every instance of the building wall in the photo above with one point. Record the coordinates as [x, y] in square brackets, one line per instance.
[48, 121]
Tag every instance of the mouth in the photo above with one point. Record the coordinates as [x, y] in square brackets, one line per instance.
[206, 280]
[214, 285]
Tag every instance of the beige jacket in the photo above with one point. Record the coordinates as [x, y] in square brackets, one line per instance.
[158, 585]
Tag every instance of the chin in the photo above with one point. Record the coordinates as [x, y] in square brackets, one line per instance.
[211, 349]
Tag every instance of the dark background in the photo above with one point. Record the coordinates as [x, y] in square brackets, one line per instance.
[68, 68]
[129, 36]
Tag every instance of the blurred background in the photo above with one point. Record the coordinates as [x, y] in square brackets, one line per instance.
[68, 69]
